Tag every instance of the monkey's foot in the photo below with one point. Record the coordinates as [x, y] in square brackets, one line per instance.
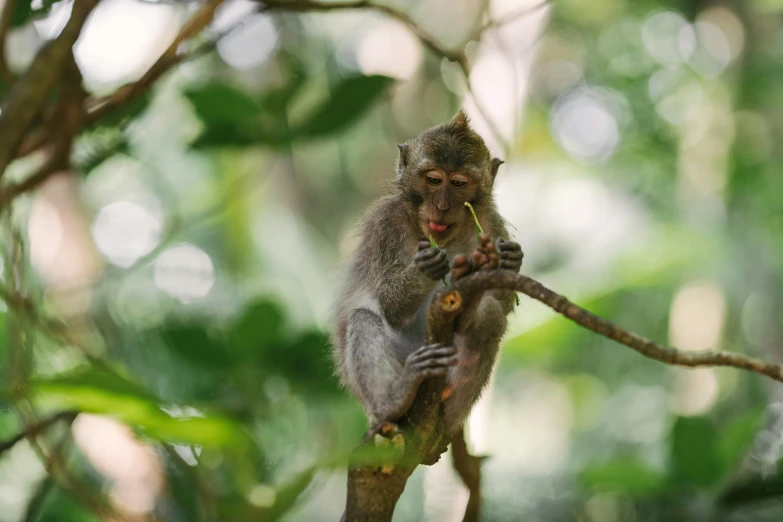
[485, 257]
[387, 437]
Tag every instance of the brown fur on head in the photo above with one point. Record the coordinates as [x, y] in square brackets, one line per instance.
[441, 169]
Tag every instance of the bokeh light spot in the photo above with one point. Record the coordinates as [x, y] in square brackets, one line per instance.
[584, 126]
[251, 44]
[185, 272]
[391, 50]
[125, 231]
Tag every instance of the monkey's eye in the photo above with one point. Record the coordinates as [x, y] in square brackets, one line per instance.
[434, 178]
[459, 182]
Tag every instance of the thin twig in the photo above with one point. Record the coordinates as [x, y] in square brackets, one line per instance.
[34, 430]
[509, 280]
[100, 107]
[38, 499]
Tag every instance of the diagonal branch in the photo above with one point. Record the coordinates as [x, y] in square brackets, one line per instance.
[560, 304]
[373, 488]
[6, 13]
[34, 430]
[65, 123]
[29, 93]
[98, 108]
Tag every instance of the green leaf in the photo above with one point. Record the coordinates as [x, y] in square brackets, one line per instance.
[695, 460]
[219, 104]
[94, 387]
[194, 344]
[259, 328]
[631, 476]
[231, 118]
[95, 390]
[349, 100]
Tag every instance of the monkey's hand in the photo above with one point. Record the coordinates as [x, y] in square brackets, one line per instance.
[510, 254]
[485, 257]
[432, 261]
[428, 361]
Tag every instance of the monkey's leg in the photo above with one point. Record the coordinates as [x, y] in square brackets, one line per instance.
[468, 467]
[385, 387]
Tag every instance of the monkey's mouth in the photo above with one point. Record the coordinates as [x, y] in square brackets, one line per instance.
[438, 227]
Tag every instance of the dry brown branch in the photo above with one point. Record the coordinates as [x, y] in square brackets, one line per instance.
[29, 93]
[6, 14]
[64, 124]
[98, 108]
[373, 488]
[34, 430]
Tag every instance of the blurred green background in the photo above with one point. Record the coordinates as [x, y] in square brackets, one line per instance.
[194, 254]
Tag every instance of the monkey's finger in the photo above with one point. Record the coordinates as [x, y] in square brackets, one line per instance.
[494, 260]
[427, 253]
[426, 347]
[433, 372]
[431, 262]
[439, 361]
[424, 245]
[509, 246]
[430, 352]
[512, 254]
[460, 260]
[440, 272]
[512, 265]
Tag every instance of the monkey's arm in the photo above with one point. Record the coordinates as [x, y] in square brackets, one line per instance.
[407, 283]
[385, 387]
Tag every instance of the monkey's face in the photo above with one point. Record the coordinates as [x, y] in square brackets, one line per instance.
[442, 212]
[439, 171]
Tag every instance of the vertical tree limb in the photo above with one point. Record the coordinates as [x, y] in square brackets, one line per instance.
[30, 92]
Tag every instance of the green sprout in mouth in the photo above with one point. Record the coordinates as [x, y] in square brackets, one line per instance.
[479, 230]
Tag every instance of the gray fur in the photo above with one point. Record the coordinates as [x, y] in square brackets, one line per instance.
[380, 313]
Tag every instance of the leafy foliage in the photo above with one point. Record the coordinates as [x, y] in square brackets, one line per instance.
[232, 118]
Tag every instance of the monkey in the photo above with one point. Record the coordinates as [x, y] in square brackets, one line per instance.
[379, 345]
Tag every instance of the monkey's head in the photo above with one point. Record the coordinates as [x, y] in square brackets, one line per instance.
[441, 169]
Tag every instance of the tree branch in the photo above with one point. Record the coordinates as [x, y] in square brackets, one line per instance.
[34, 430]
[65, 123]
[29, 93]
[100, 107]
[374, 488]
[5, 22]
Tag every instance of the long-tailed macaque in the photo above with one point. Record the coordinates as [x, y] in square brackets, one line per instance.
[379, 337]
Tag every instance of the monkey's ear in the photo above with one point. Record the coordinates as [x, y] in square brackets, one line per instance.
[495, 164]
[461, 119]
[402, 159]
